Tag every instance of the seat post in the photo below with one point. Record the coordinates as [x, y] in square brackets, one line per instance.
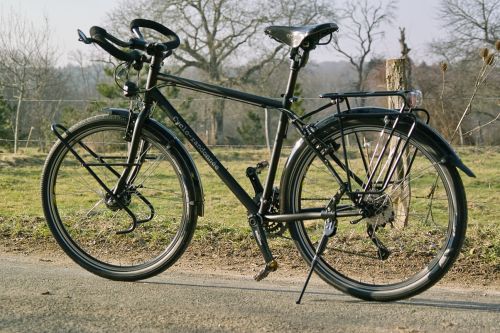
[295, 64]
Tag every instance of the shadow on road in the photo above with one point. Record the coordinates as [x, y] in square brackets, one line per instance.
[465, 305]
[336, 296]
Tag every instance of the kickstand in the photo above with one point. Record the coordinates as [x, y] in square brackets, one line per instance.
[330, 229]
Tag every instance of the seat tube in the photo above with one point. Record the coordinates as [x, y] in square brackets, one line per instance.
[281, 132]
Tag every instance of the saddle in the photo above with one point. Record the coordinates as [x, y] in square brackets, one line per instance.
[306, 36]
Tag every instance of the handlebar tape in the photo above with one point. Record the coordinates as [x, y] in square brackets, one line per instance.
[101, 37]
[143, 23]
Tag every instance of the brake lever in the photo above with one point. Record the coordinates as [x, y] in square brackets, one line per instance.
[137, 33]
[83, 38]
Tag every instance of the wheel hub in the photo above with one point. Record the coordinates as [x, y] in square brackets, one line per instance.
[123, 200]
[379, 210]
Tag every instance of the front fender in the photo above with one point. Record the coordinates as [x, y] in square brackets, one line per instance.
[170, 139]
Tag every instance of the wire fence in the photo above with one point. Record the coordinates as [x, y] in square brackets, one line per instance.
[36, 143]
[34, 129]
[12, 100]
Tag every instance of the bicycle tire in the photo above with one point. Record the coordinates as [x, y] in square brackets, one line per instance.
[83, 222]
[420, 251]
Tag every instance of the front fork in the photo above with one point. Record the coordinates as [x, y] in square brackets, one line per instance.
[136, 146]
[115, 195]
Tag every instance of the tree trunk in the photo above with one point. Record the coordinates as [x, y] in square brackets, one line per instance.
[217, 122]
[18, 112]
[400, 193]
[219, 119]
[266, 130]
[212, 133]
[360, 87]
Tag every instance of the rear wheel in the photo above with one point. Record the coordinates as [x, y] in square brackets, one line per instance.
[86, 221]
[414, 229]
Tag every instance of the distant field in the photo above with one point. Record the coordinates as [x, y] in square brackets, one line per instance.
[22, 222]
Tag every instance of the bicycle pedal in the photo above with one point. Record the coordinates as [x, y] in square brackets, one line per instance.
[261, 166]
[270, 267]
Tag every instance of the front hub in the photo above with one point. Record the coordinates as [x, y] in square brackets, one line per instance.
[120, 201]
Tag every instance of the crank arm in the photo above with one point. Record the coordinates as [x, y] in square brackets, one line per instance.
[259, 234]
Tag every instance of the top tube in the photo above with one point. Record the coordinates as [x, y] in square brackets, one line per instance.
[212, 89]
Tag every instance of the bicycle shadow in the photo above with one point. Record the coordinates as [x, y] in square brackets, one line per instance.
[327, 296]
[444, 304]
[450, 304]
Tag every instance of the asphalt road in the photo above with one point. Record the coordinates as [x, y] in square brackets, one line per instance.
[38, 295]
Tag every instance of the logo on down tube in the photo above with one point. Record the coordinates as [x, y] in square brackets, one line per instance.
[198, 145]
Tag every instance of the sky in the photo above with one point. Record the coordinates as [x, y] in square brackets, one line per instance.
[419, 17]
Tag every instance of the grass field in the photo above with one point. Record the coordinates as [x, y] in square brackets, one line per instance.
[22, 221]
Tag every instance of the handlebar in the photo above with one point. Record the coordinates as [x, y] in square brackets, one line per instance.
[107, 41]
[142, 23]
[101, 37]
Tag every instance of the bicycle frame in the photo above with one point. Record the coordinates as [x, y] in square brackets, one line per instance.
[216, 164]
[258, 212]
[153, 95]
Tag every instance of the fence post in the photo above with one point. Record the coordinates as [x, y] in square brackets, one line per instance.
[29, 137]
[397, 79]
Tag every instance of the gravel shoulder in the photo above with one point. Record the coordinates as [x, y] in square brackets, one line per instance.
[224, 260]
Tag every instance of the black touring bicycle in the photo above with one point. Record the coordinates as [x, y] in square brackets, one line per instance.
[371, 196]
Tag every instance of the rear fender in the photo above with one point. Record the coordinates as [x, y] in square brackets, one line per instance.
[441, 149]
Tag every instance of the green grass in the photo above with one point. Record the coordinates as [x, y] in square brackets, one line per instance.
[483, 233]
[225, 219]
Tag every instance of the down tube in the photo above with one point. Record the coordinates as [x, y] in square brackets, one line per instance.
[205, 152]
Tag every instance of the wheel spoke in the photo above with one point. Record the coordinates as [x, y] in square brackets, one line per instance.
[86, 224]
[405, 235]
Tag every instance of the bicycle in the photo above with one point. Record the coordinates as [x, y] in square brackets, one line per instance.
[371, 197]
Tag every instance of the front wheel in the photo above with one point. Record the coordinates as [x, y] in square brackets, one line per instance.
[87, 222]
[410, 233]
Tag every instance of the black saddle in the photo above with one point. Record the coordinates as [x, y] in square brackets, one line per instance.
[306, 36]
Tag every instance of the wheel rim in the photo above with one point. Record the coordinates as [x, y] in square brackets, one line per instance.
[351, 261]
[88, 226]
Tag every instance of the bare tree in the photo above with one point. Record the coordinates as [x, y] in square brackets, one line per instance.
[27, 62]
[220, 36]
[469, 24]
[361, 23]
[472, 20]
[472, 27]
